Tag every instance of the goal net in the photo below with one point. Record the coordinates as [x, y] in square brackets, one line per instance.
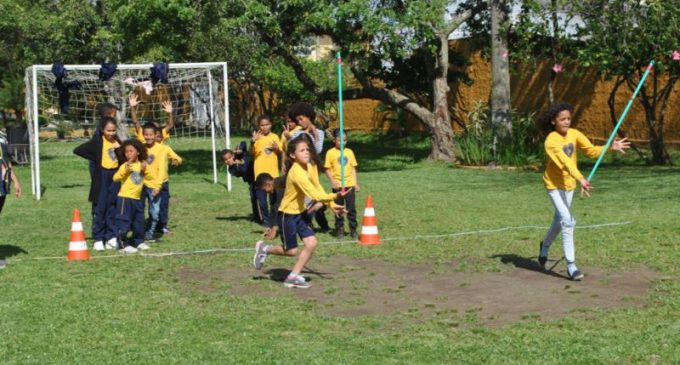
[63, 98]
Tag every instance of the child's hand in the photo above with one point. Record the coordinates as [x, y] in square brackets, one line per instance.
[116, 144]
[270, 233]
[357, 188]
[286, 131]
[133, 100]
[339, 210]
[128, 167]
[343, 193]
[585, 187]
[17, 190]
[175, 162]
[155, 192]
[167, 106]
[274, 146]
[335, 184]
[621, 145]
[144, 165]
[256, 135]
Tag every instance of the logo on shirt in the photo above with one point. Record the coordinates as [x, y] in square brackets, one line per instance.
[268, 151]
[568, 149]
[136, 177]
[150, 159]
[112, 153]
[343, 161]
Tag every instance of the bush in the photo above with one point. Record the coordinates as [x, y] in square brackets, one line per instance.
[478, 147]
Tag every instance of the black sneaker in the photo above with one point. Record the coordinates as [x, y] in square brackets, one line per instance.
[542, 260]
[340, 233]
[576, 275]
[353, 234]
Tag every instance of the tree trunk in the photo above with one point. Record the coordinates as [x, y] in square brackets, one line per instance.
[501, 117]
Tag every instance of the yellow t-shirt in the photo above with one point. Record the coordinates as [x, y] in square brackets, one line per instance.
[157, 162]
[266, 159]
[140, 134]
[561, 171]
[333, 163]
[109, 159]
[299, 185]
[133, 182]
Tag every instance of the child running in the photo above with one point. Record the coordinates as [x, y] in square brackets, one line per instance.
[133, 176]
[561, 175]
[291, 222]
[104, 150]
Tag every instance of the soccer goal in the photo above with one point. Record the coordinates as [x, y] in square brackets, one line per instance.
[65, 97]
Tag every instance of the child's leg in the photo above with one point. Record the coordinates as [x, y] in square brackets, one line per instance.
[305, 254]
[262, 206]
[339, 220]
[350, 205]
[320, 216]
[123, 221]
[111, 211]
[164, 206]
[2, 202]
[100, 207]
[562, 201]
[154, 212]
[253, 203]
[137, 221]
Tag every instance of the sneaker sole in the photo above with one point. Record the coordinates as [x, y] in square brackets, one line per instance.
[289, 285]
[257, 250]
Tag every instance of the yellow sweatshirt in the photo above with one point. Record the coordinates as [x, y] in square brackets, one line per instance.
[300, 183]
[561, 171]
[266, 159]
[133, 181]
[157, 162]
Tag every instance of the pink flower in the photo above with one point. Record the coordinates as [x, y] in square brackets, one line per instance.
[557, 68]
[676, 56]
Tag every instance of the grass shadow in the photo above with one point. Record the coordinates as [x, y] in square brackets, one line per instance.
[235, 218]
[386, 152]
[11, 250]
[526, 263]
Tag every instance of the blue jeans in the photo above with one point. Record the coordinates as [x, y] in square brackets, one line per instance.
[154, 211]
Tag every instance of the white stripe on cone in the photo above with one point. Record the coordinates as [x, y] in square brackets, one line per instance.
[371, 230]
[77, 246]
[76, 226]
[369, 212]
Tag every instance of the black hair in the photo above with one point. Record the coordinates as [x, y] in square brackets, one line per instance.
[313, 156]
[226, 151]
[104, 121]
[336, 132]
[263, 117]
[138, 146]
[302, 108]
[104, 109]
[151, 125]
[545, 121]
[262, 179]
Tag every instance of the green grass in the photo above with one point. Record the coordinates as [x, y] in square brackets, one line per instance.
[136, 309]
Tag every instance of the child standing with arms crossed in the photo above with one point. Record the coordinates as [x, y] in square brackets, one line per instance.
[265, 148]
[291, 222]
[104, 150]
[333, 167]
[133, 176]
[561, 175]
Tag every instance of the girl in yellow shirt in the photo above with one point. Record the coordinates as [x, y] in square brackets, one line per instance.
[291, 221]
[561, 175]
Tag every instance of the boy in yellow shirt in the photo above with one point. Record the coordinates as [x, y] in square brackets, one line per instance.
[265, 148]
[158, 155]
[133, 100]
[561, 175]
[333, 167]
[132, 176]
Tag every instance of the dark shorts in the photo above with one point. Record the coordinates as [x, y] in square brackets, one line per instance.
[293, 225]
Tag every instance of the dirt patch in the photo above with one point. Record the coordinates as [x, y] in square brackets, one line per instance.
[345, 286]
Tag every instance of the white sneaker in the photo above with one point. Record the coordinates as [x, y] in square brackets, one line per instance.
[98, 246]
[112, 244]
[143, 246]
[129, 249]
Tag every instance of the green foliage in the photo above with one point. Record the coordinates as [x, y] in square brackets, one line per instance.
[477, 142]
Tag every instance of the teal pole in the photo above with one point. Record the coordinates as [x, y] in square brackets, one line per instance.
[341, 134]
[621, 118]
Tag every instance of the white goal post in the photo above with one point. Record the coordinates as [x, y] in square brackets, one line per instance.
[199, 93]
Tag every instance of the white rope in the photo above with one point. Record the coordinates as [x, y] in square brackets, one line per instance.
[416, 237]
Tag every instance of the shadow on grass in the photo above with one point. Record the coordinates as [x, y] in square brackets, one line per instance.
[71, 186]
[280, 275]
[10, 250]
[386, 153]
[195, 162]
[234, 218]
[526, 263]
[218, 183]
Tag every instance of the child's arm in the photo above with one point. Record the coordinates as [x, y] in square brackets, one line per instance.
[123, 172]
[86, 150]
[587, 147]
[167, 108]
[134, 101]
[334, 183]
[151, 182]
[356, 179]
[15, 181]
[174, 157]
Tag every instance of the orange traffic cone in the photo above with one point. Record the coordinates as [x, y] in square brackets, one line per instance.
[369, 226]
[77, 248]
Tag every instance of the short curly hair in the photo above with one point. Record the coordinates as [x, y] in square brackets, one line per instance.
[138, 146]
[549, 115]
[302, 108]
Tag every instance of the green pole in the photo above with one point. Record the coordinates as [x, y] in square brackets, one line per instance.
[341, 134]
[621, 118]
